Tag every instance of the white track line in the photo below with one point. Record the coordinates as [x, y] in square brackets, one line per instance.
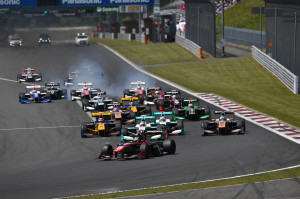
[203, 96]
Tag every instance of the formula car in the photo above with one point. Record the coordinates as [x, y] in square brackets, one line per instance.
[191, 110]
[169, 100]
[97, 103]
[84, 91]
[101, 125]
[29, 75]
[132, 104]
[125, 116]
[71, 78]
[223, 125]
[34, 94]
[82, 39]
[168, 122]
[55, 91]
[142, 144]
[139, 89]
[82, 73]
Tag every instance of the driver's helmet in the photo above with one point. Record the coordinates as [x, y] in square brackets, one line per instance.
[138, 86]
[162, 119]
[51, 87]
[222, 118]
[100, 119]
[156, 92]
[34, 90]
[190, 105]
[85, 88]
[173, 96]
[28, 72]
[115, 109]
[142, 124]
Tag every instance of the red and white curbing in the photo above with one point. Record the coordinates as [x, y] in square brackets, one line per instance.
[260, 119]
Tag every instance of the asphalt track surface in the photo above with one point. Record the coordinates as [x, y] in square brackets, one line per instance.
[43, 156]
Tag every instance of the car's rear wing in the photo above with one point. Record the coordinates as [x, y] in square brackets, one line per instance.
[99, 92]
[224, 112]
[190, 100]
[51, 84]
[172, 92]
[101, 114]
[33, 87]
[162, 113]
[138, 83]
[85, 84]
[129, 98]
[145, 118]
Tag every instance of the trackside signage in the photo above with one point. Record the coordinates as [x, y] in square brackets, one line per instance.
[103, 2]
[17, 3]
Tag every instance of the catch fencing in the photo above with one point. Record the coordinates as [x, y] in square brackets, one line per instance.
[245, 37]
[284, 75]
[189, 45]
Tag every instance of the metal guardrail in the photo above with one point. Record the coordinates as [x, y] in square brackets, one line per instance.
[284, 75]
[189, 45]
[124, 36]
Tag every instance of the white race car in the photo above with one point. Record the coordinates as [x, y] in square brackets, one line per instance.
[99, 103]
[29, 75]
[82, 39]
[84, 91]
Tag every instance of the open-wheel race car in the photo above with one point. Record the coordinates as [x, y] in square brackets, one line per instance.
[167, 121]
[191, 110]
[131, 104]
[101, 125]
[224, 125]
[139, 145]
[34, 94]
[83, 73]
[99, 102]
[55, 91]
[168, 101]
[84, 91]
[29, 75]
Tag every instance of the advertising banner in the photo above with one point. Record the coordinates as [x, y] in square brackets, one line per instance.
[18, 3]
[103, 2]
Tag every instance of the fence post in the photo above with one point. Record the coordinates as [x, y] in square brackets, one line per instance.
[145, 39]
[200, 53]
[295, 84]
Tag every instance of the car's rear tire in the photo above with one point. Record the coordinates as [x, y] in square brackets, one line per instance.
[19, 76]
[21, 96]
[180, 124]
[141, 98]
[124, 132]
[175, 111]
[85, 103]
[118, 125]
[145, 148]
[169, 146]
[126, 92]
[149, 110]
[132, 114]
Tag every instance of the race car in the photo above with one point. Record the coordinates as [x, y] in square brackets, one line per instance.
[82, 73]
[44, 38]
[82, 39]
[14, 40]
[169, 100]
[191, 110]
[71, 78]
[34, 94]
[224, 125]
[84, 90]
[132, 104]
[125, 116]
[97, 103]
[139, 89]
[168, 122]
[29, 75]
[55, 91]
[138, 145]
[101, 125]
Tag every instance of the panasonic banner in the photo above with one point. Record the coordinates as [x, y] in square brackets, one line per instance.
[18, 3]
[103, 2]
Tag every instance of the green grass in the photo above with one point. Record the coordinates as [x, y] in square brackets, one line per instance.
[275, 175]
[150, 54]
[239, 16]
[242, 80]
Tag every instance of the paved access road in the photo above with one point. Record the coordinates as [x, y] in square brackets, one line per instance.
[53, 161]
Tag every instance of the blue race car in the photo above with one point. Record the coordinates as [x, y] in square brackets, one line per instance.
[34, 94]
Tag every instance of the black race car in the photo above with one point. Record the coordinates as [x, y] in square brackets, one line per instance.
[29, 75]
[44, 38]
[55, 91]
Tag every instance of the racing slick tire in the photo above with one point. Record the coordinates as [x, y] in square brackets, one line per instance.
[19, 76]
[155, 150]
[145, 148]
[241, 125]
[107, 150]
[161, 103]
[21, 96]
[48, 96]
[132, 114]
[83, 129]
[124, 132]
[64, 92]
[207, 111]
[141, 98]
[39, 76]
[161, 127]
[148, 110]
[85, 103]
[169, 146]
[204, 126]
[180, 124]
[118, 125]
[175, 111]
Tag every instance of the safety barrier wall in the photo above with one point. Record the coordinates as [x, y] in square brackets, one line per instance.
[139, 37]
[124, 36]
[189, 45]
[284, 75]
